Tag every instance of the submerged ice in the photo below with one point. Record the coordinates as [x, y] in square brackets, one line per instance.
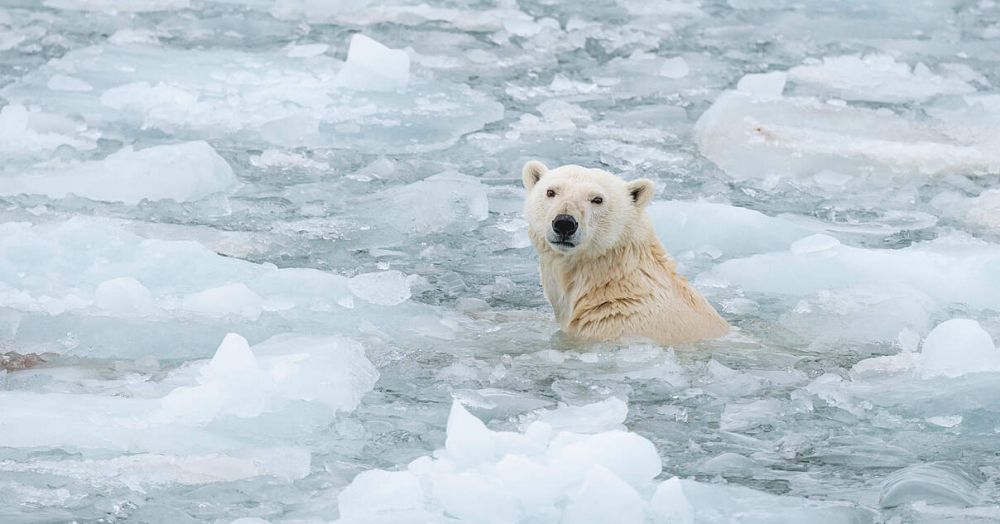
[264, 260]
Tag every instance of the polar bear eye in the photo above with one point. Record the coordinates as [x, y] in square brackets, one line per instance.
[550, 193]
[597, 200]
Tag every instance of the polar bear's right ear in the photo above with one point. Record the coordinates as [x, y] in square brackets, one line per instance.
[532, 173]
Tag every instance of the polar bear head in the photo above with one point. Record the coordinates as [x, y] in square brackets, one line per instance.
[573, 210]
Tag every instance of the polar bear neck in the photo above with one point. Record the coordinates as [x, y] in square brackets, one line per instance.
[629, 272]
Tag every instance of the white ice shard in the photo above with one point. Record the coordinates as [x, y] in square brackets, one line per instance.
[119, 293]
[590, 418]
[984, 210]
[181, 172]
[259, 97]
[489, 476]
[691, 502]
[734, 231]
[751, 136]
[957, 347]
[675, 67]
[939, 483]
[763, 84]
[186, 412]
[548, 475]
[23, 132]
[838, 292]
[373, 66]
[67, 83]
[952, 269]
[446, 202]
[372, 12]
[147, 470]
[385, 288]
[876, 78]
[127, 6]
[235, 299]
[124, 296]
[244, 382]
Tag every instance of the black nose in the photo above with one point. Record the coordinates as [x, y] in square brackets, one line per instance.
[564, 225]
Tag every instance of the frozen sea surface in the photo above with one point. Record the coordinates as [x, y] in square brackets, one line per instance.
[272, 254]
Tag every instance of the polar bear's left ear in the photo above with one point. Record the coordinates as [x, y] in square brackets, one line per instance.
[641, 191]
[532, 173]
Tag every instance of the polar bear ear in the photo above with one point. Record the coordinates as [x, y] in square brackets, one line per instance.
[532, 173]
[641, 191]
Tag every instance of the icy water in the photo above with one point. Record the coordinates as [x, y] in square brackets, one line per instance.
[258, 264]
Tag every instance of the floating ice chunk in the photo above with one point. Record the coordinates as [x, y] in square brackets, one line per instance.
[127, 6]
[24, 131]
[133, 36]
[361, 13]
[159, 102]
[735, 231]
[385, 288]
[51, 272]
[813, 244]
[935, 483]
[476, 498]
[558, 476]
[752, 136]
[763, 84]
[257, 98]
[516, 230]
[373, 66]
[182, 172]
[492, 476]
[984, 210]
[285, 160]
[376, 492]
[124, 295]
[146, 470]
[865, 313]
[728, 464]
[904, 361]
[306, 50]
[604, 499]
[876, 78]
[244, 382]
[557, 116]
[945, 421]
[230, 299]
[68, 83]
[947, 270]
[278, 377]
[591, 418]
[521, 27]
[957, 347]
[446, 202]
[631, 457]
[468, 440]
[675, 67]
[739, 416]
[692, 502]
[669, 503]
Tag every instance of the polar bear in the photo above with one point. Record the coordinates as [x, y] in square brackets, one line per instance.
[603, 269]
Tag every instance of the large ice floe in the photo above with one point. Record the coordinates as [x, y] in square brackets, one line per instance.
[181, 172]
[368, 102]
[584, 470]
[98, 273]
[263, 261]
[749, 135]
